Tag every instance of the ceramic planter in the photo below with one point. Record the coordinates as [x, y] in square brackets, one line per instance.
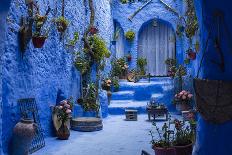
[38, 41]
[93, 30]
[184, 150]
[192, 55]
[23, 134]
[164, 151]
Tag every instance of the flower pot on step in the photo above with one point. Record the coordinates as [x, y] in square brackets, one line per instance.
[164, 151]
[184, 150]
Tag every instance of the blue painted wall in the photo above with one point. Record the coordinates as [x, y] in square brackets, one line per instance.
[40, 73]
[214, 139]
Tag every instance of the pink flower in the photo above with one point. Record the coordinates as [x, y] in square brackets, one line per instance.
[60, 107]
[183, 97]
[182, 93]
[68, 111]
[190, 95]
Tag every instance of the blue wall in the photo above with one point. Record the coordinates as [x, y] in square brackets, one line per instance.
[214, 139]
[40, 73]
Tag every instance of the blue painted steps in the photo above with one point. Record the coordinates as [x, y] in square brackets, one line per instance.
[137, 95]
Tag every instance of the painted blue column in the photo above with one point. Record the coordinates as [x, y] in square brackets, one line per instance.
[214, 139]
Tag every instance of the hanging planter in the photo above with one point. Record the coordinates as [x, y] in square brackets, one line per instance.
[93, 30]
[61, 24]
[191, 54]
[213, 100]
[38, 41]
[130, 35]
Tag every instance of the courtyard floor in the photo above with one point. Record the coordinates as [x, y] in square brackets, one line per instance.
[118, 137]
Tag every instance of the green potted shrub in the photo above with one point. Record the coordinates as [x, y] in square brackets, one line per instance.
[184, 136]
[61, 24]
[163, 145]
[81, 64]
[141, 63]
[130, 35]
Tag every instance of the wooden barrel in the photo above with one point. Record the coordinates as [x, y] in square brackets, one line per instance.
[86, 124]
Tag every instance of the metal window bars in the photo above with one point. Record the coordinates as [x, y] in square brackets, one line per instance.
[28, 109]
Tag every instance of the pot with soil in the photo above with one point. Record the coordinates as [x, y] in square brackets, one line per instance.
[38, 41]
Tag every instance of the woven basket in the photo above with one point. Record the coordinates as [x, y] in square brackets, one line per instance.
[214, 100]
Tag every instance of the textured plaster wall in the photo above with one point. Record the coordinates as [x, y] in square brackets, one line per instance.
[214, 139]
[40, 73]
[154, 10]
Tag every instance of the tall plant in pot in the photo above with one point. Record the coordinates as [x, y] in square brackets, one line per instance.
[183, 100]
[184, 137]
[163, 145]
[141, 63]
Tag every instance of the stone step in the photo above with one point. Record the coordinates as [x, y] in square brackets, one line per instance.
[123, 95]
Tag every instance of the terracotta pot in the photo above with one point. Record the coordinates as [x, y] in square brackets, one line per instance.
[23, 134]
[38, 41]
[61, 26]
[182, 107]
[63, 133]
[184, 150]
[164, 151]
[93, 30]
[192, 55]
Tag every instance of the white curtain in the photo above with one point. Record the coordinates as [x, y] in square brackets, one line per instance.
[156, 44]
[120, 41]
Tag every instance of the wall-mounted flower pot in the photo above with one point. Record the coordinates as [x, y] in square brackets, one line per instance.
[184, 150]
[164, 151]
[38, 41]
[192, 55]
[61, 26]
[113, 42]
[93, 30]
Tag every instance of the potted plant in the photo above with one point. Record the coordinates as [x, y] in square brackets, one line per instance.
[106, 85]
[81, 64]
[64, 111]
[130, 35]
[71, 44]
[124, 1]
[141, 63]
[191, 54]
[184, 135]
[129, 57]
[93, 30]
[61, 24]
[183, 100]
[163, 145]
[119, 68]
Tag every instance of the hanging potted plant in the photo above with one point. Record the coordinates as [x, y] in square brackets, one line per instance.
[183, 100]
[184, 137]
[129, 57]
[93, 30]
[61, 24]
[191, 54]
[163, 145]
[71, 44]
[38, 39]
[130, 35]
[64, 111]
[141, 63]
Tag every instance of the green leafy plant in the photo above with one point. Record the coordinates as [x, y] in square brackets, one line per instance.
[64, 109]
[61, 23]
[119, 67]
[124, 1]
[39, 22]
[130, 35]
[99, 48]
[89, 100]
[82, 64]
[141, 63]
[115, 83]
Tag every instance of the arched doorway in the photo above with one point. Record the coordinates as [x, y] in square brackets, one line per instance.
[156, 43]
[120, 40]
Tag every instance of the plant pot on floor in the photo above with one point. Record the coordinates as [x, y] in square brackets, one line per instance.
[38, 41]
[164, 151]
[63, 133]
[184, 150]
[23, 134]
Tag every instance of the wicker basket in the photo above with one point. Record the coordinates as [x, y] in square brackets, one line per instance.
[214, 100]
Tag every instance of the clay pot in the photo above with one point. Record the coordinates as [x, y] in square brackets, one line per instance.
[164, 151]
[23, 134]
[61, 26]
[192, 55]
[184, 150]
[38, 41]
[63, 133]
[93, 30]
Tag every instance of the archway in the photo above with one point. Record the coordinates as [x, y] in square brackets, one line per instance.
[120, 40]
[156, 43]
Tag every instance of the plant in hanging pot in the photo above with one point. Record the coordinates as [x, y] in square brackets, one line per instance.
[61, 24]
[71, 44]
[141, 63]
[64, 111]
[130, 35]
[93, 30]
[184, 136]
[183, 100]
[191, 54]
[163, 145]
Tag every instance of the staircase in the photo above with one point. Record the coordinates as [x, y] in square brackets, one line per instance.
[137, 95]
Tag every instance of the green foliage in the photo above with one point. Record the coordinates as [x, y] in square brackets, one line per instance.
[62, 20]
[75, 39]
[82, 64]
[89, 101]
[115, 83]
[119, 67]
[39, 22]
[130, 35]
[141, 63]
[99, 48]
[124, 1]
